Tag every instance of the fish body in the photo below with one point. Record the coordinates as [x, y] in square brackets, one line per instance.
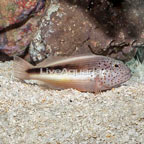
[91, 73]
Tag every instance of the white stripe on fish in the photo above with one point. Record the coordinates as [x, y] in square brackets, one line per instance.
[92, 73]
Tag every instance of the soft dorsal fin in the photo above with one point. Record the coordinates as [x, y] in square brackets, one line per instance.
[79, 61]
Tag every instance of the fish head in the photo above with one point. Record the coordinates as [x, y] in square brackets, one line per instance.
[114, 73]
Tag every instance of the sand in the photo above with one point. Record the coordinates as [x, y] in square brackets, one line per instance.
[32, 115]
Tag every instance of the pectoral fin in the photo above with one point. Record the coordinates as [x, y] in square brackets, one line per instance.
[98, 85]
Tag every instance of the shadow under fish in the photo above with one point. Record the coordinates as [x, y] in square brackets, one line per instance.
[88, 73]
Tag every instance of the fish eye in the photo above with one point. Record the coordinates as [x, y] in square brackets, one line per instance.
[116, 65]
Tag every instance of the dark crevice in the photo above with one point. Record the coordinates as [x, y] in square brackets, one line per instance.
[14, 26]
[4, 57]
[116, 3]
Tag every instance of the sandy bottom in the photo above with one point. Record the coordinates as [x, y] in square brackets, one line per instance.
[30, 114]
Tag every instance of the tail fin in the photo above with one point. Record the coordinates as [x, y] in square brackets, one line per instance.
[20, 66]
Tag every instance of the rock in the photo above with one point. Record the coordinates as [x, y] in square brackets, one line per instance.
[106, 27]
[18, 20]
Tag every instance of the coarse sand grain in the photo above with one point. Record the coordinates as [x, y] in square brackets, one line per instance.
[30, 114]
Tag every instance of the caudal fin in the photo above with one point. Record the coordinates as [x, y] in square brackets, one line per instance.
[20, 67]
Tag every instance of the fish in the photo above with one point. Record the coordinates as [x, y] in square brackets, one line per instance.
[86, 73]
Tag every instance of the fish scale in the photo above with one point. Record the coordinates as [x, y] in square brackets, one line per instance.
[91, 73]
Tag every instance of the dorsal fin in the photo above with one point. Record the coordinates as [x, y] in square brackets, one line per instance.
[51, 60]
[75, 61]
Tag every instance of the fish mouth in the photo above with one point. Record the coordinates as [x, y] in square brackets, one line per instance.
[130, 74]
[126, 77]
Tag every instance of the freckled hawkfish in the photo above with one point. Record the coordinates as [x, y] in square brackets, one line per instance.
[91, 73]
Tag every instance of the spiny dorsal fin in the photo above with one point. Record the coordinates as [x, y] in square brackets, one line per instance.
[78, 61]
[51, 60]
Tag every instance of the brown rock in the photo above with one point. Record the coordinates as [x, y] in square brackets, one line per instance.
[103, 27]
